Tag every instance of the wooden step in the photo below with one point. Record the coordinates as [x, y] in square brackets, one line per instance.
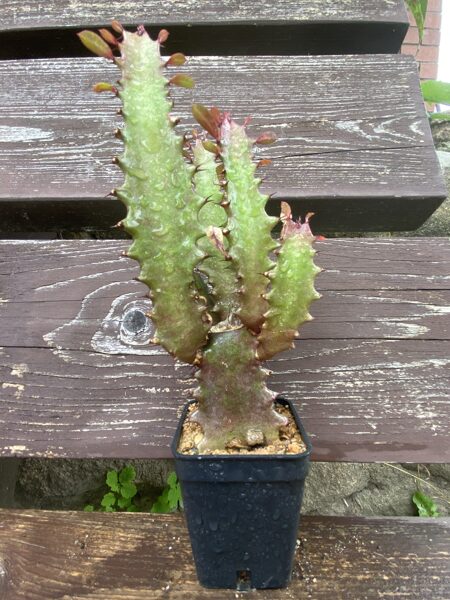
[370, 375]
[354, 145]
[212, 26]
[78, 555]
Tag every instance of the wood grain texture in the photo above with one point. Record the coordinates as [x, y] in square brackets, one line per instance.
[354, 144]
[370, 375]
[56, 555]
[212, 26]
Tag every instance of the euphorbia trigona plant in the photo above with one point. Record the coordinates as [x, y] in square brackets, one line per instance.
[226, 295]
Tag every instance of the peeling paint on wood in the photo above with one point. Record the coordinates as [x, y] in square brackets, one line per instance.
[370, 376]
[141, 556]
[360, 118]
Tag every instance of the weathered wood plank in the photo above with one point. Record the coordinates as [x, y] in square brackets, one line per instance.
[213, 26]
[141, 556]
[354, 141]
[370, 376]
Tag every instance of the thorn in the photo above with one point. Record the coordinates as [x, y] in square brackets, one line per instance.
[118, 134]
[225, 203]
[175, 120]
[140, 30]
[118, 225]
[119, 112]
[155, 340]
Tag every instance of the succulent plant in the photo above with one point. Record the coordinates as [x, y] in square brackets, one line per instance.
[226, 294]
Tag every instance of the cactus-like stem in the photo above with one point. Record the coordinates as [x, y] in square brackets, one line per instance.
[203, 240]
[235, 408]
[162, 206]
[249, 224]
[292, 288]
[216, 266]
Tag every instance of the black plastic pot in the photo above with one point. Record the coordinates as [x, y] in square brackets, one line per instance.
[243, 513]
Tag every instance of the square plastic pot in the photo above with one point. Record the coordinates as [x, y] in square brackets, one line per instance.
[243, 513]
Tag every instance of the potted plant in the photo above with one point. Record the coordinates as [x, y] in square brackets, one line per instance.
[226, 297]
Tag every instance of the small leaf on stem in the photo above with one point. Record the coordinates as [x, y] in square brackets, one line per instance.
[182, 80]
[116, 26]
[264, 162]
[108, 37]
[103, 86]
[205, 118]
[162, 36]
[266, 138]
[176, 60]
[93, 42]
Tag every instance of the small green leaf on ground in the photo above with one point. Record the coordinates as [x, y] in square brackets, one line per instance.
[89, 508]
[426, 507]
[112, 481]
[123, 502]
[108, 500]
[128, 490]
[170, 499]
[127, 475]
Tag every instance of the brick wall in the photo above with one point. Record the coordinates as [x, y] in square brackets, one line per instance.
[427, 53]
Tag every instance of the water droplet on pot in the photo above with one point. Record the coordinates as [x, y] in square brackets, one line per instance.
[198, 519]
[246, 556]
[213, 525]
[276, 514]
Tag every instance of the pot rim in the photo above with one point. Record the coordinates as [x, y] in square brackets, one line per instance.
[244, 457]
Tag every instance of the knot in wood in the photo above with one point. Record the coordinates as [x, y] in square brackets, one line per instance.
[135, 322]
